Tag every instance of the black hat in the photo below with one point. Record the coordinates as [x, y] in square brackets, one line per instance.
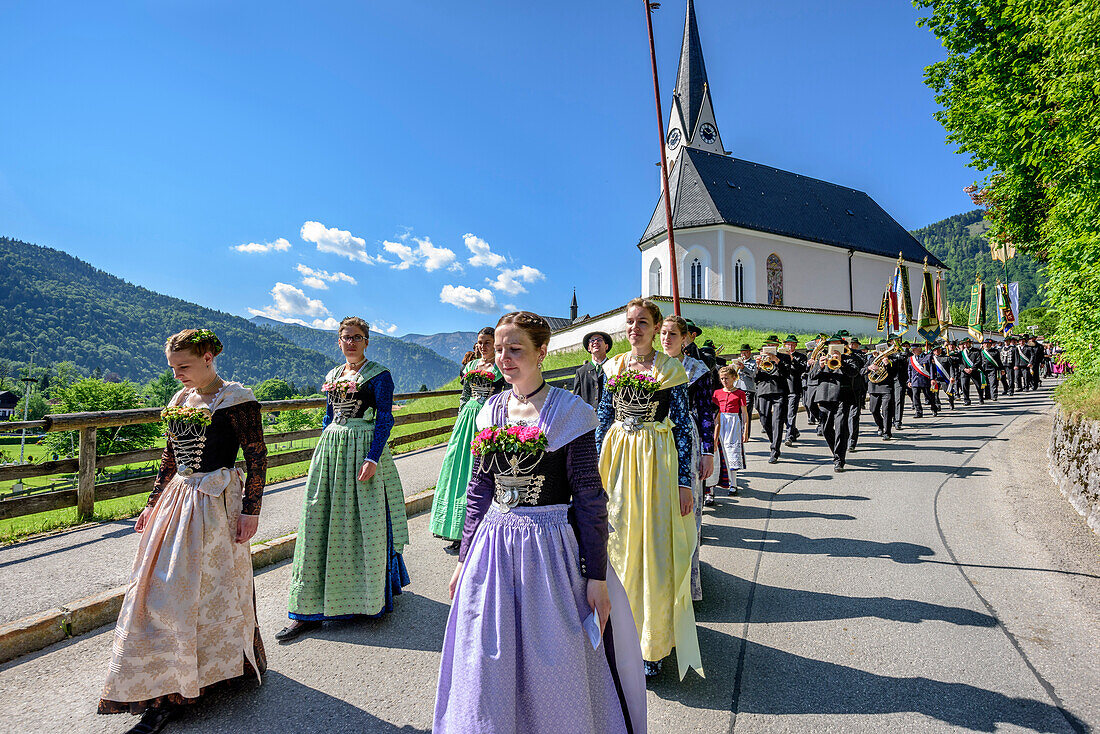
[772, 339]
[692, 328]
[791, 338]
[746, 348]
[602, 334]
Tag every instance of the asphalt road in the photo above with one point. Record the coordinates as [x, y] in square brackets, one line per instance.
[58, 568]
[941, 584]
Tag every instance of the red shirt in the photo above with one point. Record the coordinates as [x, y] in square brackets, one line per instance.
[729, 402]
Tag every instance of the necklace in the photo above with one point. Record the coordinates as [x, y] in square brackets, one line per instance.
[357, 366]
[205, 389]
[643, 360]
[528, 396]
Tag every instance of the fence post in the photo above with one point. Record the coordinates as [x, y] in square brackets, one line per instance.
[85, 485]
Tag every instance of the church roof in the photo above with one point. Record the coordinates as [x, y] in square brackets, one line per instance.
[708, 188]
[691, 77]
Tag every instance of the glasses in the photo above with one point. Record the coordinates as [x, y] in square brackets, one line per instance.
[357, 339]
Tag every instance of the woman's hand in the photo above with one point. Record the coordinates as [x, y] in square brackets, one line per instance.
[687, 502]
[708, 467]
[246, 527]
[599, 600]
[143, 518]
[366, 472]
[454, 580]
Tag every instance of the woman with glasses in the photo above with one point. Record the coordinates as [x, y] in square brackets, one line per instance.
[480, 380]
[347, 559]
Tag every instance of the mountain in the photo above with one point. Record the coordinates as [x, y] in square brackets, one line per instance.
[452, 345]
[62, 308]
[411, 365]
[961, 243]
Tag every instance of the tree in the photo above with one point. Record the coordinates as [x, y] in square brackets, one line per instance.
[5, 370]
[1018, 92]
[1039, 321]
[273, 389]
[159, 391]
[64, 374]
[95, 395]
[424, 388]
[299, 420]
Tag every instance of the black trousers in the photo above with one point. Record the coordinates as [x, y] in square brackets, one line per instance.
[855, 410]
[965, 380]
[882, 410]
[899, 403]
[773, 416]
[834, 419]
[811, 411]
[750, 400]
[1021, 378]
[916, 393]
[792, 414]
[1033, 372]
[1008, 381]
[990, 390]
[947, 391]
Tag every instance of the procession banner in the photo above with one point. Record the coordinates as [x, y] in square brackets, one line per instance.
[928, 322]
[1005, 318]
[901, 292]
[1014, 300]
[977, 311]
[884, 313]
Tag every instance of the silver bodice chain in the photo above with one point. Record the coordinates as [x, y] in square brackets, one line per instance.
[344, 408]
[633, 408]
[188, 441]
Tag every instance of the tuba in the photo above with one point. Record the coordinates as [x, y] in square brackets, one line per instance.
[819, 346]
[879, 369]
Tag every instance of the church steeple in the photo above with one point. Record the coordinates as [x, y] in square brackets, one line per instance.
[573, 306]
[691, 121]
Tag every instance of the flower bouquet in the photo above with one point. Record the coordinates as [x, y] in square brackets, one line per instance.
[509, 439]
[512, 453]
[187, 414]
[479, 375]
[632, 395]
[340, 389]
[635, 381]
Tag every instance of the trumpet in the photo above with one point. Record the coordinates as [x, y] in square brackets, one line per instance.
[834, 360]
[879, 369]
[768, 363]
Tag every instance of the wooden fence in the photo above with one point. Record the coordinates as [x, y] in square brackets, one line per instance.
[86, 492]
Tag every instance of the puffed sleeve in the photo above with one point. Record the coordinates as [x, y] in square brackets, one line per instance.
[245, 418]
[382, 387]
[167, 470]
[605, 412]
[467, 392]
[589, 504]
[680, 413]
[479, 493]
[701, 393]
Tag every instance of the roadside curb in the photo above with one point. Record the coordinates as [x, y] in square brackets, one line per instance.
[37, 631]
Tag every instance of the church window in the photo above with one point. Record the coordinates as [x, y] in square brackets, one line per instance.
[775, 280]
[697, 279]
[655, 278]
[739, 281]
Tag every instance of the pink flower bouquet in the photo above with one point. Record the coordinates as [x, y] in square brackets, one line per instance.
[637, 381]
[509, 439]
[340, 389]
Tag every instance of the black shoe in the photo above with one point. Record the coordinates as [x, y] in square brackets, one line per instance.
[789, 442]
[288, 633]
[887, 437]
[838, 467]
[851, 448]
[773, 459]
[153, 720]
[652, 668]
[452, 547]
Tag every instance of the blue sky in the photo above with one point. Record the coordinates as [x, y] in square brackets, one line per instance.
[381, 158]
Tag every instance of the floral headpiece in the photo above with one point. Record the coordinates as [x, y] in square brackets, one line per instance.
[202, 335]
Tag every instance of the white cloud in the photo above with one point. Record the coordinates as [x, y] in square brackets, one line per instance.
[471, 299]
[320, 279]
[291, 304]
[383, 327]
[425, 254]
[511, 280]
[257, 248]
[509, 307]
[339, 242]
[482, 255]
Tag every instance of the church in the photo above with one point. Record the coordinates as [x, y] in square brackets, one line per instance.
[748, 233]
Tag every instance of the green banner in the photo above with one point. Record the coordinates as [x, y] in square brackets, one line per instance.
[906, 300]
[977, 311]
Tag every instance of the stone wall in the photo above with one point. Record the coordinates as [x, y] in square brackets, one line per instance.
[1075, 463]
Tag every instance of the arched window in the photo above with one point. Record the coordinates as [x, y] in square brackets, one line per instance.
[739, 281]
[775, 280]
[655, 278]
[697, 279]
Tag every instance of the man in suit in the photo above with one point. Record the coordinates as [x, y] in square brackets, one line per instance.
[991, 364]
[771, 395]
[1023, 365]
[1036, 354]
[692, 349]
[832, 396]
[859, 391]
[943, 372]
[920, 380]
[901, 376]
[795, 378]
[589, 381]
[808, 385]
[1008, 359]
[881, 398]
[970, 372]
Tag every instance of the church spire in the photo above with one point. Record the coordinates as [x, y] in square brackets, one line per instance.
[573, 307]
[691, 121]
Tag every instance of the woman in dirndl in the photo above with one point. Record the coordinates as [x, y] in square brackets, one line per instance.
[480, 379]
[353, 529]
[674, 333]
[188, 620]
[645, 447]
[540, 636]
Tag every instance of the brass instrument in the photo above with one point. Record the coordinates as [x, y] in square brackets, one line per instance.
[768, 363]
[834, 360]
[819, 346]
[879, 368]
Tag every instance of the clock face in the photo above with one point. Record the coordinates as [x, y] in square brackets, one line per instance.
[673, 138]
[708, 133]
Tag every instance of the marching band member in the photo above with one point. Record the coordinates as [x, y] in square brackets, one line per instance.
[970, 371]
[809, 384]
[899, 386]
[920, 380]
[796, 377]
[881, 395]
[943, 373]
[991, 363]
[1037, 355]
[746, 380]
[772, 377]
[859, 391]
[832, 396]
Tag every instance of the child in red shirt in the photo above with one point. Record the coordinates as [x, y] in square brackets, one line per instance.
[732, 427]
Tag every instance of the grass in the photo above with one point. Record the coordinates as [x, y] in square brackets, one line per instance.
[1080, 393]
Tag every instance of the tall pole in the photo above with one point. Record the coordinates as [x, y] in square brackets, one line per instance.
[28, 380]
[649, 8]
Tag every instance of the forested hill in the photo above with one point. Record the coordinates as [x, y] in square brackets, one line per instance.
[68, 310]
[410, 364]
[958, 241]
[452, 345]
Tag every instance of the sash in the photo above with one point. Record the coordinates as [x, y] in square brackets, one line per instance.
[989, 357]
[940, 367]
[966, 357]
[917, 366]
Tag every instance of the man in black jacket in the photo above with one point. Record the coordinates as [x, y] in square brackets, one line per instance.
[859, 391]
[901, 360]
[881, 397]
[795, 377]
[970, 372]
[920, 380]
[589, 380]
[943, 371]
[832, 396]
[1023, 365]
[771, 394]
[1008, 359]
[1036, 354]
[991, 364]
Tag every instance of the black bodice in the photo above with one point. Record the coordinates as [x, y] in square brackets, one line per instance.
[653, 407]
[546, 484]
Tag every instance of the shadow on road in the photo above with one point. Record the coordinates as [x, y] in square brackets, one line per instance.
[783, 542]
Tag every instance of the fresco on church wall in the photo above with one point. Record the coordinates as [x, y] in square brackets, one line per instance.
[775, 280]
